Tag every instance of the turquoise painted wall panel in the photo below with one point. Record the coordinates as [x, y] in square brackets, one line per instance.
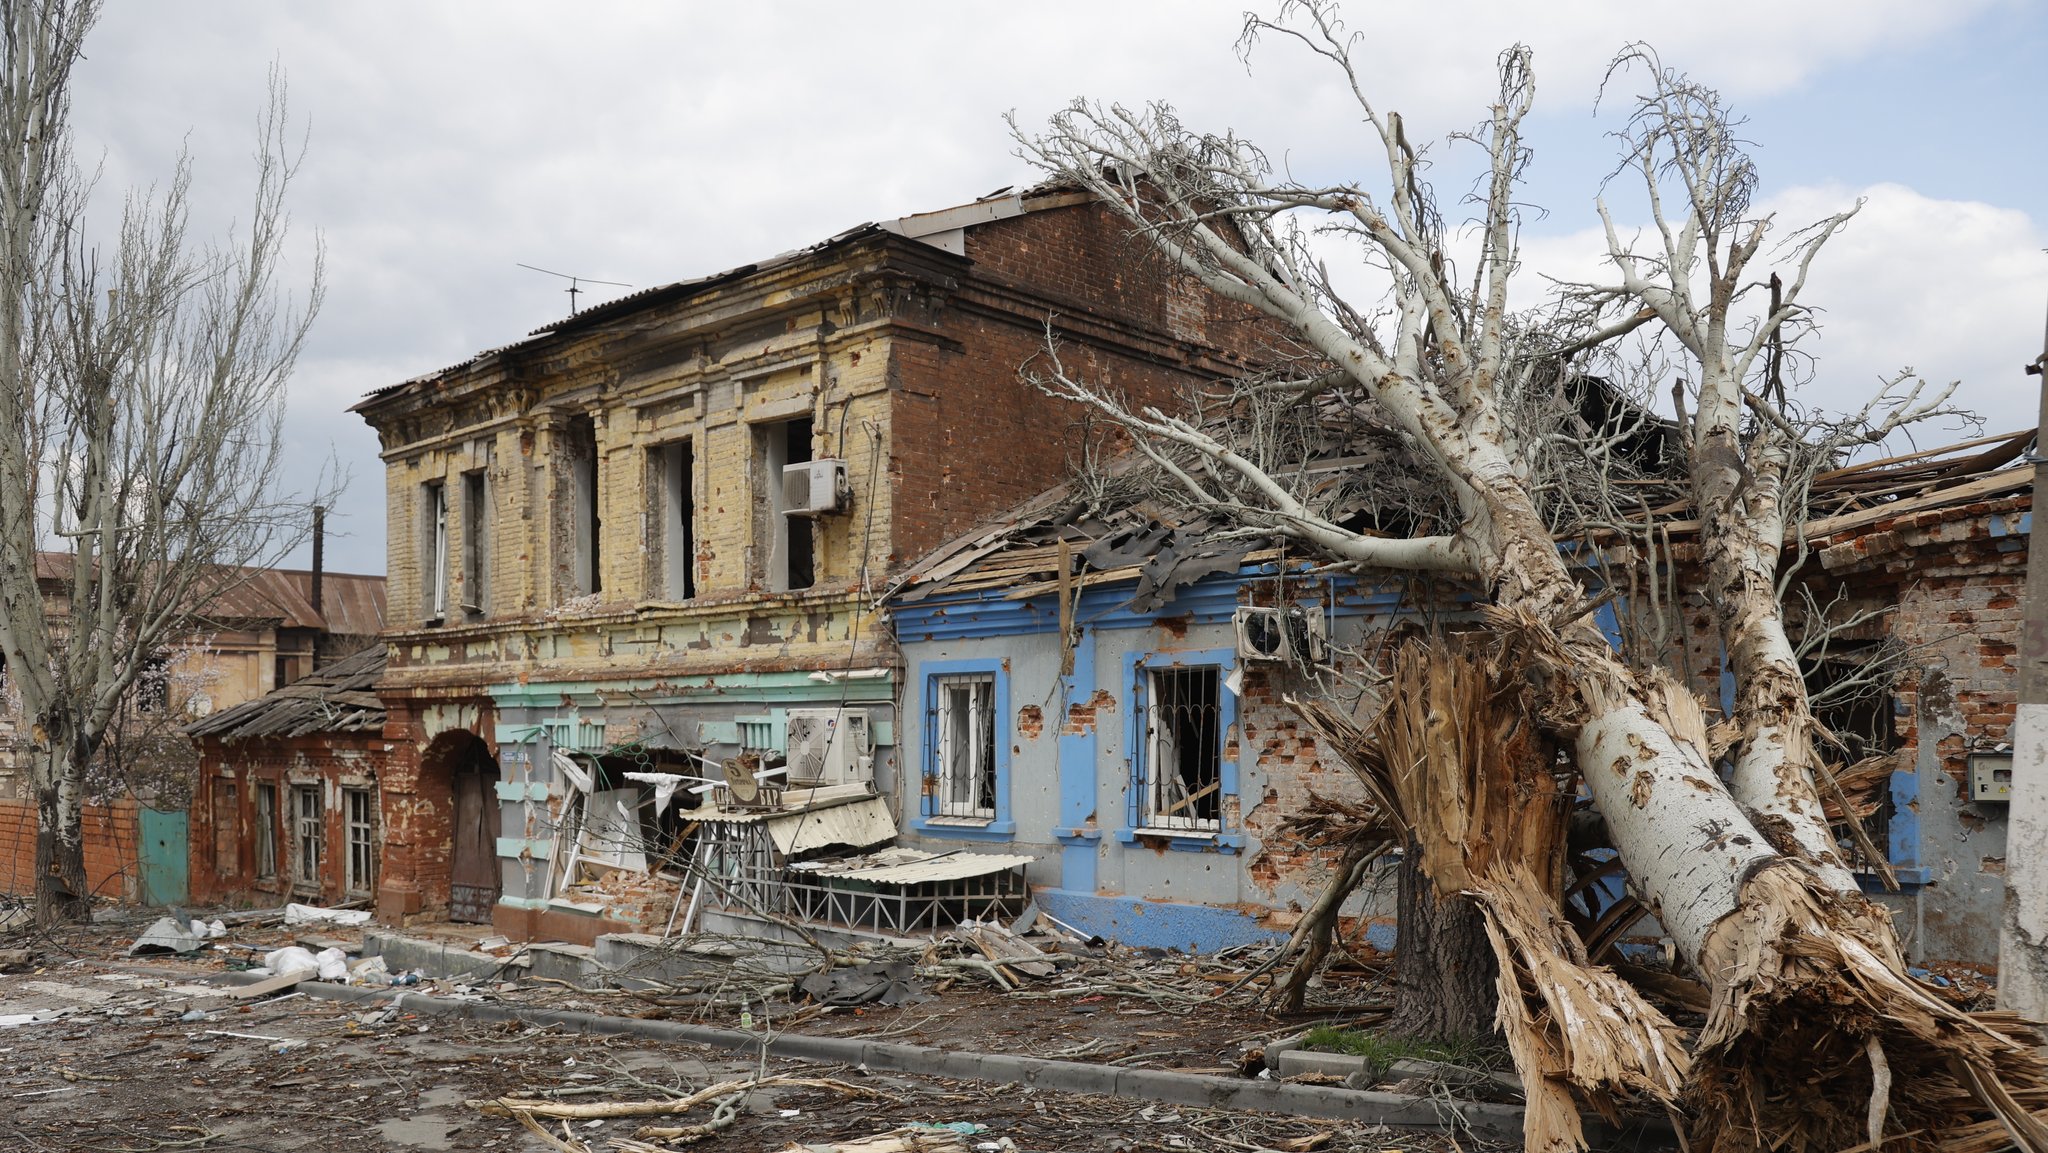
[164, 858]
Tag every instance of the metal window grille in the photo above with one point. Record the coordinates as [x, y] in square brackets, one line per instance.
[360, 813]
[965, 723]
[1183, 749]
[743, 875]
[266, 831]
[311, 834]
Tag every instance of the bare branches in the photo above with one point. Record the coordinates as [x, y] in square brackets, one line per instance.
[142, 389]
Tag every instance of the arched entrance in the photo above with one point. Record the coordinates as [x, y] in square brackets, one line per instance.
[472, 776]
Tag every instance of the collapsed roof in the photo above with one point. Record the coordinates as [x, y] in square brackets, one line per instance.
[337, 698]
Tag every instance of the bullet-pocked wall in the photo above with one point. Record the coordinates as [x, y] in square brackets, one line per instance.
[602, 519]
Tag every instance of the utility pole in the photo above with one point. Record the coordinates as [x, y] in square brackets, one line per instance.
[2023, 932]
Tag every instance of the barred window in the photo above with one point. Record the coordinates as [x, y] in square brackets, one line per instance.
[966, 745]
[1182, 757]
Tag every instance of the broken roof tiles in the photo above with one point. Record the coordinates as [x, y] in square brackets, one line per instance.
[338, 698]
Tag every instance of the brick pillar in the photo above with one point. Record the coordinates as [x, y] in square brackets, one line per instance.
[398, 888]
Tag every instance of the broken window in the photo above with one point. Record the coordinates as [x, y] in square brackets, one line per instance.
[1851, 689]
[225, 810]
[266, 831]
[359, 812]
[476, 543]
[1182, 755]
[586, 530]
[310, 835]
[674, 469]
[963, 708]
[153, 686]
[434, 549]
[789, 553]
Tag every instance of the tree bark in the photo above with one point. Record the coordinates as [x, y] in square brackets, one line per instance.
[63, 894]
[1447, 977]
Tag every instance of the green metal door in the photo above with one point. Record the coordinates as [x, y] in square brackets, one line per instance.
[163, 857]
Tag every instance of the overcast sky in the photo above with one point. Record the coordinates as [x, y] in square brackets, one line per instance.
[647, 143]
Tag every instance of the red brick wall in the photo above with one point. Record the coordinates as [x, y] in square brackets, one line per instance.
[969, 437]
[112, 839]
[332, 760]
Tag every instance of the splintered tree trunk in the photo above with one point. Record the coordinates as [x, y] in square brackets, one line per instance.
[62, 892]
[1447, 985]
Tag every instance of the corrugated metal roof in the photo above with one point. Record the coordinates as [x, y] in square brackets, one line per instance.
[339, 698]
[850, 815]
[900, 866]
[352, 604]
[858, 825]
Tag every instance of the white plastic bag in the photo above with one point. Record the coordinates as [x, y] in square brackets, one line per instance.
[290, 959]
[333, 965]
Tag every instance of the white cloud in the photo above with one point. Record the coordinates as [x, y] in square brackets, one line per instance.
[651, 142]
[1952, 289]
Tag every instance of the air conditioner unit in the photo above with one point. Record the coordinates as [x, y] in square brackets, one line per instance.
[1288, 633]
[814, 487]
[829, 747]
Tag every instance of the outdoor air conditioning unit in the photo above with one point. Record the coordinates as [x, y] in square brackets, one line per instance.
[829, 747]
[814, 487]
[1286, 633]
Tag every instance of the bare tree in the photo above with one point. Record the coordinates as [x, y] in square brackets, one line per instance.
[142, 387]
[1817, 1037]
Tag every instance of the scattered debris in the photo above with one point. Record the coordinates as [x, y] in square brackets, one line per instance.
[297, 914]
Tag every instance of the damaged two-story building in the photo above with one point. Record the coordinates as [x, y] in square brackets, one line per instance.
[638, 551]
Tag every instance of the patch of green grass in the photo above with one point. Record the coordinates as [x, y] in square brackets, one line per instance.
[1383, 1050]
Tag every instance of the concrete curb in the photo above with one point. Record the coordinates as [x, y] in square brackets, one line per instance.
[1334, 1102]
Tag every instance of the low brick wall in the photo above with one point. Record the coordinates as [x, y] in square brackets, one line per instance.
[113, 836]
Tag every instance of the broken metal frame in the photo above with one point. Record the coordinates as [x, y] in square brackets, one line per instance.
[740, 872]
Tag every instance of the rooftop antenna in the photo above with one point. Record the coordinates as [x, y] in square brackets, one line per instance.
[574, 282]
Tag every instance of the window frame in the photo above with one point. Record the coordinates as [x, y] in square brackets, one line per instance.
[359, 881]
[672, 475]
[930, 819]
[1139, 753]
[476, 543]
[308, 830]
[263, 795]
[434, 534]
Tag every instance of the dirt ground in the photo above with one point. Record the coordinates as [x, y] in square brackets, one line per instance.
[140, 1057]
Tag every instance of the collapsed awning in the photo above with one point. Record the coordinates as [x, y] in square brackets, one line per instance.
[901, 866]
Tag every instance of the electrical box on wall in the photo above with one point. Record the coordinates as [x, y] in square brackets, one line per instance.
[1991, 776]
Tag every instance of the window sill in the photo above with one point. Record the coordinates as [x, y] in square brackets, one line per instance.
[964, 828]
[1185, 840]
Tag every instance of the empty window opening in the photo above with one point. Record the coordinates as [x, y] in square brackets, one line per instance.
[790, 548]
[310, 836]
[476, 544]
[153, 686]
[1183, 755]
[266, 832]
[435, 534]
[1851, 690]
[586, 574]
[359, 811]
[966, 726]
[675, 467]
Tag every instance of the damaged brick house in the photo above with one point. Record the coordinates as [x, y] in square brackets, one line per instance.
[1100, 690]
[642, 543]
[286, 807]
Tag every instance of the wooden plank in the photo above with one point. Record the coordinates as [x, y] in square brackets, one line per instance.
[269, 985]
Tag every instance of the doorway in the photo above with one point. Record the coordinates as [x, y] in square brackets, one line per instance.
[473, 875]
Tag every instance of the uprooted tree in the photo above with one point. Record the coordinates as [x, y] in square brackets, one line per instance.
[141, 406]
[1816, 1038]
